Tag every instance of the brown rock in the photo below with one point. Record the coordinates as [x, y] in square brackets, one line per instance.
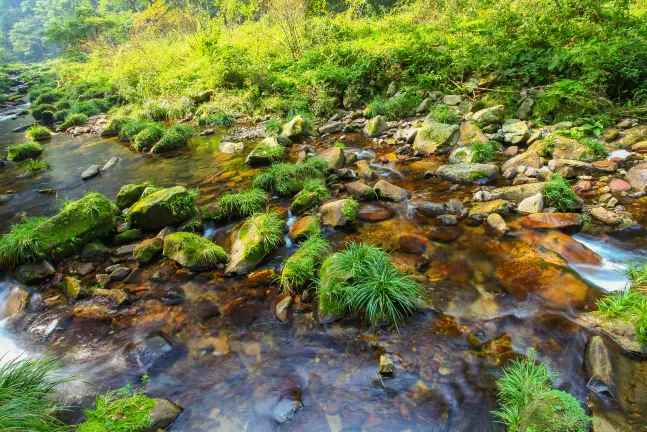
[619, 185]
[303, 227]
[605, 216]
[361, 191]
[374, 212]
[563, 221]
[445, 234]
[637, 177]
[262, 277]
[604, 166]
[283, 308]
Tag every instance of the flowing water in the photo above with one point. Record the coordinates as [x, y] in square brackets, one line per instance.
[213, 345]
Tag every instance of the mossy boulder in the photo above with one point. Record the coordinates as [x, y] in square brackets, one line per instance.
[568, 148]
[554, 411]
[469, 173]
[80, 222]
[304, 227]
[436, 138]
[128, 236]
[266, 152]
[193, 251]
[72, 287]
[249, 245]
[488, 116]
[95, 252]
[376, 126]
[305, 200]
[148, 250]
[163, 207]
[26, 150]
[129, 194]
[334, 156]
[112, 128]
[296, 128]
[339, 212]
[35, 272]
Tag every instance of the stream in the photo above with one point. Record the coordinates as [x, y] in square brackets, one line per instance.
[213, 345]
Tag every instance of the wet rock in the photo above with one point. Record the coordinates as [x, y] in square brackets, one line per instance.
[332, 127]
[304, 227]
[622, 332]
[35, 273]
[455, 206]
[265, 153]
[436, 138]
[123, 227]
[129, 194]
[148, 250]
[496, 222]
[118, 296]
[376, 127]
[605, 216]
[633, 136]
[386, 366]
[390, 192]
[431, 209]
[295, 128]
[637, 177]
[517, 193]
[332, 213]
[163, 414]
[161, 208]
[374, 213]
[629, 231]
[530, 205]
[193, 251]
[125, 250]
[445, 234]
[162, 275]
[619, 185]
[364, 170]
[515, 131]
[469, 173]
[85, 269]
[247, 249]
[119, 274]
[128, 236]
[102, 279]
[72, 287]
[207, 132]
[334, 156]
[111, 163]
[16, 301]
[604, 166]
[447, 220]
[305, 200]
[571, 222]
[452, 100]
[538, 271]
[227, 147]
[361, 191]
[283, 308]
[91, 172]
[480, 211]
[488, 116]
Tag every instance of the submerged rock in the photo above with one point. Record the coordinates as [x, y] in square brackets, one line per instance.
[72, 287]
[118, 296]
[148, 250]
[163, 207]
[386, 366]
[480, 211]
[193, 251]
[283, 308]
[562, 221]
[496, 222]
[468, 173]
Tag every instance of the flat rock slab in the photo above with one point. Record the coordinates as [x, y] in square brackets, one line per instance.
[561, 221]
[91, 172]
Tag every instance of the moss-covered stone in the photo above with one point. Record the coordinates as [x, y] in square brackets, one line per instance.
[163, 207]
[305, 200]
[554, 411]
[296, 128]
[128, 236]
[80, 222]
[26, 150]
[95, 252]
[112, 128]
[148, 250]
[72, 287]
[250, 242]
[129, 194]
[193, 251]
[376, 126]
[266, 152]
[304, 227]
[436, 138]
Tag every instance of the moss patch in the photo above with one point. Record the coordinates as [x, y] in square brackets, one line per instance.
[193, 251]
[119, 414]
[163, 207]
[26, 150]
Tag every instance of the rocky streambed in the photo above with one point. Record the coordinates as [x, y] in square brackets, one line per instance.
[501, 272]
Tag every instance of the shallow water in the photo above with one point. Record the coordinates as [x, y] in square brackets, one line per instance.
[213, 345]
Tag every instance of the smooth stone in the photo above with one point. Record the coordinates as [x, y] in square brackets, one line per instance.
[118, 296]
[283, 308]
[112, 162]
[619, 185]
[561, 221]
[374, 212]
[119, 274]
[125, 250]
[496, 222]
[390, 192]
[386, 366]
[231, 147]
[530, 205]
[361, 191]
[91, 172]
[605, 216]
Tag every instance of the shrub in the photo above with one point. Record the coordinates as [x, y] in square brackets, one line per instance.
[148, 137]
[485, 152]
[38, 133]
[62, 114]
[24, 151]
[175, 137]
[219, 118]
[131, 128]
[73, 120]
[48, 97]
[287, 179]
[558, 194]
[443, 114]
[238, 204]
[119, 411]
[301, 268]
[524, 382]
[26, 387]
[362, 280]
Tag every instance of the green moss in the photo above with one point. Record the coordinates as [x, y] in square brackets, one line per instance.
[262, 233]
[129, 129]
[148, 137]
[175, 138]
[129, 194]
[38, 110]
[350, 209]
[24, 151]
[114, 412]
[146, 251]
[554, 411]
[313, 193]
[300, 269]
[73, 120]
[128, 236]
[237, 205]
[193, 251]
[163, 207]
[557, 193]
[38, 133]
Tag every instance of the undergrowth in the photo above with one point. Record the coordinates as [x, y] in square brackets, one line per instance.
[557, 193]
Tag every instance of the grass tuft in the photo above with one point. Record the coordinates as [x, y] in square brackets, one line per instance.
[131, 128]
[20, 244]
[629, 306]
[485, 152]
[443, 114]
[174, 138]
[77, 119]
[239, 204]
[24, 151]
[301, 268]
[148, 137]
[38, 133]
[350, 209]
[287, 179]
[558, 194]
[119, 411]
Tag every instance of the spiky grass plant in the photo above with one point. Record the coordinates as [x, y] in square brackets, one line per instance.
[300, 269]
[20, 244]
[26, 387]
[174, 138]
[595, 147]
[350, 208]
[443, 114]
[131, 128]
[313, 192]
[36, 166]
[239, 204]
[636, 272]
[558, 194]
[270, 226]
[26, 150]
[272, 128]
[118, 411]
[287, 179]
[38, 133]
[361, 279]
[629, 306]
[218, 118]
[485, 152]
[148, 137]
[77, 119]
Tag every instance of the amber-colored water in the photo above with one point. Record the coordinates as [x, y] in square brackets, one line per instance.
[224, 357]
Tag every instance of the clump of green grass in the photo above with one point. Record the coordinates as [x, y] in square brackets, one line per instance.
[61, 115]
[272, 127]
[286, 179]
[218, 118]
[362, 280]
[394, 108]
[119, 411]
[484, 152]
[26, 387]
[238, 204]
[313, 192]
[129, 129]
[629, 306]
[595, 147]
[148, 137]
[636, 272]
[301, 268]
[270, 226]
[36, 166]
[74, 120]
[174, 138]
[38, 110]
[529, 403]
[443, 114]
[24, 151]
[38, 133]
[558, 194]
[49, 97]
[339, 145]
[350, 209]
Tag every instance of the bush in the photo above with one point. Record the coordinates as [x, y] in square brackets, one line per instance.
[38, 133]
[26, 389]
[287, 179]
[148, 137]
[73, 120]
[363, 281]
[558, 194]
[174, 138]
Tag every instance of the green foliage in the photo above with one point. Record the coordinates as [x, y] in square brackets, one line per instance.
[148, 137]
[20, 244]
[175, 137]
[558, 194]
[595, 147]
[287, 179]
[361, 279]
[394, 108]
[636, 272]
[119, 411]
[272, 127]
[74, 120]
[38, 133]
[270, 226]
[339, 145]
[629, 306]
[37, 110]
[26, 389]
[130, 128]
[443, 114]
[238, 204]
[485, 152]
[36, 166]
[522, 383]
[218, 118]
[349, 210]
[301, 268]
[24, 150]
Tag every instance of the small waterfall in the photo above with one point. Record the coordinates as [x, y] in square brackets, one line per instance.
[8, 292]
